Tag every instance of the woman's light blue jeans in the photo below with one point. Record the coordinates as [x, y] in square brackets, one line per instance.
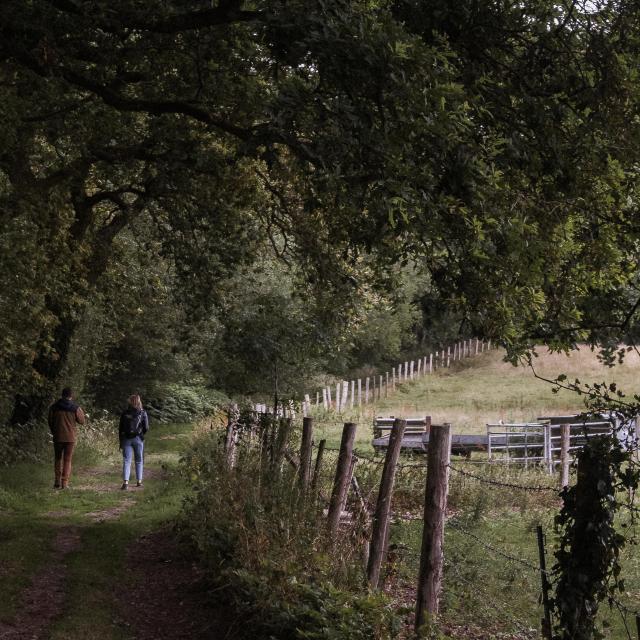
[132, 447]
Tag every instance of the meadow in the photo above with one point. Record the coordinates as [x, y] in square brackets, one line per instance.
[486, 389]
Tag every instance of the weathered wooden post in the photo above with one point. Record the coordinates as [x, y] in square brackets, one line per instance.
[285, 426]
[380, 389]
[325, 404]
[565, 440]
[341, 481]
[448, 356]
[329, 398]
[316, 472]
[386, 386]
[366, 390]
[431, 363]
[406, 370]
[230, 440]
[377, 548]
[419, 367]
[353, 388]
[546, 621]
[435, 506]
[359, 392]
[338, 397]
[393, 378]
[304, 470]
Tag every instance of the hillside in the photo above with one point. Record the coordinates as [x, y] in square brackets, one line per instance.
[486, 389]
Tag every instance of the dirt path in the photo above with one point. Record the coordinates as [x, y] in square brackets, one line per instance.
[44, 598]
[168, 597]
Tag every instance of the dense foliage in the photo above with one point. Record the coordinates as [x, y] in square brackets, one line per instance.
[267, 554]
[151, 153]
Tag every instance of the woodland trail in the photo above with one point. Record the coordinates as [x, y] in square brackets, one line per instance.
[97, 562]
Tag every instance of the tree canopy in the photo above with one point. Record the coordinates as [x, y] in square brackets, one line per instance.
[152, 151]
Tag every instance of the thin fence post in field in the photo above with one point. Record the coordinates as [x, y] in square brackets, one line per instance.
[324, 399]
[435, 507]
[431, 363]
[366, 390]
[341, 481]
[380, 389]
[386, 386]
[455, 351]
[285, 426]
[338, 397]
[377, 547]
[329, 397]
[305, 453]
[419, 367]
[316, 471]
[565, 440]
[448, 356]
[230, 437]
[353, 388]
[442, 359]
[406, 371]
[317, 398]
[393, 378]
[411, 370]
[359, 392]
[477, 346]
[373, 389]
[400, 373]
[345, 394]
[546, 621]
[489, 345]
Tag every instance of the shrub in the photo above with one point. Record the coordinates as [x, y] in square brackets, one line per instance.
[268, 556]
[183, 403]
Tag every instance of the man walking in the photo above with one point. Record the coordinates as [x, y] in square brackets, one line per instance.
[63, 416]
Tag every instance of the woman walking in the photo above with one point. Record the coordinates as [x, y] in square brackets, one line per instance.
[134, 423]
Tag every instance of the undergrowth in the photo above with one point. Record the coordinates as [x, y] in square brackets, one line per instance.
[269, 557]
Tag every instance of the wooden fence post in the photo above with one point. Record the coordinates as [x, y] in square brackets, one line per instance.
[341, 481]
[359, 392]
[305, 453]
[406, 371]
[373, 392]
[345, 394]
[565, 440]
[419, 367]
[435, 506]
[546, 621]
[316, 472]
[284, 429]
[325, 404]
[338, 397]
[386, 387]
[353, 388]
[377, 548]
[431, 363]
[380, 389]
[329, 398]
[393, 378]
[448, 356]
[366, 390]
[231, 436]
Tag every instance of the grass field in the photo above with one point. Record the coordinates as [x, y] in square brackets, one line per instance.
[491, 586]
[484, 389]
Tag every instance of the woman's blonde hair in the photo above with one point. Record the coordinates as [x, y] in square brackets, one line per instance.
[135, 402]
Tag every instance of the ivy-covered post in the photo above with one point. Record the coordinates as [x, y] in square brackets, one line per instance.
[587, 557]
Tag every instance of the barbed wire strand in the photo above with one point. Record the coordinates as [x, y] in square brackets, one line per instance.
[498, 483]
[493, 549]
